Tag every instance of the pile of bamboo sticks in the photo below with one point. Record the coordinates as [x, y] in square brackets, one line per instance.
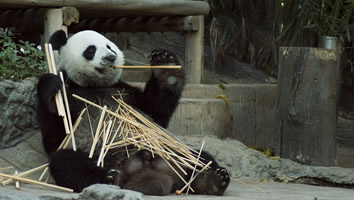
[127, 127]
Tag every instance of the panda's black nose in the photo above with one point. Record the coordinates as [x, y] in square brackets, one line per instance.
[110, 58]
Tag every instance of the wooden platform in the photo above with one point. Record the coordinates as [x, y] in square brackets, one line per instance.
[119, 7]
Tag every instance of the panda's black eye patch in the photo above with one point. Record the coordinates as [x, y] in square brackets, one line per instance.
[89, 52]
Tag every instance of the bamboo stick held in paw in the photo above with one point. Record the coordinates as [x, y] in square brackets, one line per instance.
[62, 110]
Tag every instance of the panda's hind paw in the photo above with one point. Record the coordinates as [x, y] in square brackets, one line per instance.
[223, 175]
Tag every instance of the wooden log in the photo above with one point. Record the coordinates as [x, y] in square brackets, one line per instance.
[306, 105]
[194, 53]
[139, 24]
[119, 7]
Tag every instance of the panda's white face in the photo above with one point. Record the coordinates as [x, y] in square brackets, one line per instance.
[88, 57]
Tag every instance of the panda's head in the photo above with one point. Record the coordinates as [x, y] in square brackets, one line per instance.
[87, 58]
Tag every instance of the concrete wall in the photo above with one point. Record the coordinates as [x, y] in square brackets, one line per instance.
[250, 116]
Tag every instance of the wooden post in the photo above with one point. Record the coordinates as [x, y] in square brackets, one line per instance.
[53, 21]
[194, 53]
[58, 19]
[306, 105]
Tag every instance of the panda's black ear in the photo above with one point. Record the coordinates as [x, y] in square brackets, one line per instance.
[58, 39]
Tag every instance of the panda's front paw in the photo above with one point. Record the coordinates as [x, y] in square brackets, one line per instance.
[163, 57]
[48, 86]
[110, 176]
[166, 77]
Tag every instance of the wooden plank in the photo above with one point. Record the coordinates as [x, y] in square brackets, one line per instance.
[243, 108]
[345, 132]
[307, 105]
[119, 7]
[266, 117]
[194, 53]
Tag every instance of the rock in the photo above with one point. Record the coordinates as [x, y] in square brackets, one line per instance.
[103, 192]
[17, 111]
[242, 161]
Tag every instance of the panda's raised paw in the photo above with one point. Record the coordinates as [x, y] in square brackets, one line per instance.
[163, 57]
[166, 58]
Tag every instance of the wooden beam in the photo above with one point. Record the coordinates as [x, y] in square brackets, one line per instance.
[119, 7]
[31, 20]
[194, 53]
[306, 103]
[139, 24]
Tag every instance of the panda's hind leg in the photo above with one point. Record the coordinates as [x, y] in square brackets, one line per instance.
[150, 182]
[75, 170]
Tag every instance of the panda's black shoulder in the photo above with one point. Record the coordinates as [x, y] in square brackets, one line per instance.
[58, 39]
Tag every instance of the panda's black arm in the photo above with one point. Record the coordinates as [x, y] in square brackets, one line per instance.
[51, 125]
[159, 98]
[159, 101]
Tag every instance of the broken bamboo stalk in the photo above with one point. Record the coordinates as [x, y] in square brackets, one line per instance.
[26, 180]
[26, 173]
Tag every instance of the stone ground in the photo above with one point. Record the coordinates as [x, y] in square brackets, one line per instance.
[249, 165]
[236, 191]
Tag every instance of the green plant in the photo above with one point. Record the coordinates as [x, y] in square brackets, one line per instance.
[19, 60]
[332, 18]
[293, 16]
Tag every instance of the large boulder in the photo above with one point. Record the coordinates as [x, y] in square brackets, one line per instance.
[17, 111]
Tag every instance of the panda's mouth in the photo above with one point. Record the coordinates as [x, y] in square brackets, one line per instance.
[100, 70]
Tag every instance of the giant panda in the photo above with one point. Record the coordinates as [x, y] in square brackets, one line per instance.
[86, 60]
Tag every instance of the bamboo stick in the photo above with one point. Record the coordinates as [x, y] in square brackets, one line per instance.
[95, 140]
[190, 182]
[248, 185]
[100, 158]
[17, 184]
[44, 172]
[68, 115]
[149, 67]
[108, 111]
[26, 173]
[26, 180]
[58, 96]
[184, 181]
[195, 166]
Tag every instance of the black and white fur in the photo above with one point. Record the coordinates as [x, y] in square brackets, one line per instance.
[86, 59]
